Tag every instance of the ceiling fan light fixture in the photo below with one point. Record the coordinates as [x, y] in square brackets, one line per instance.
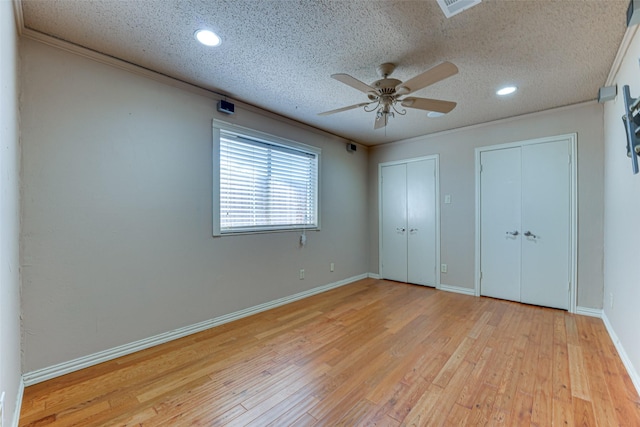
[507, 90]
[208, 38]
[435, 114]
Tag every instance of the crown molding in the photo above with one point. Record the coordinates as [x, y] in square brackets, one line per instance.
[121, 64]
[421, 138]
[17, 13]
[620, 55]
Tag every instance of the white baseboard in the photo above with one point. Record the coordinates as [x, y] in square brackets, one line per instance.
[457, 289]
[63, 368]
[588, 311]
[373, 276]
[16, 413]
[635, 378]
[599, 313]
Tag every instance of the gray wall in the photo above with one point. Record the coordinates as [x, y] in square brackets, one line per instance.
[457, 178]
[117, 233]
[9, 213]
[622, 208]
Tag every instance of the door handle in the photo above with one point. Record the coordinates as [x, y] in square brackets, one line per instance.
[401, 229]
[412, 230]
[530, 234]
[513, 233]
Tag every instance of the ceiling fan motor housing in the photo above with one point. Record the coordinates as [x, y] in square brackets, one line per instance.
[386, 86]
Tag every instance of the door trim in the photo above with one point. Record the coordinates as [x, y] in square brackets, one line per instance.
[435, 157]
[572, 138]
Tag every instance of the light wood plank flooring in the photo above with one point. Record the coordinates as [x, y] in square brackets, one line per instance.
[369, 353]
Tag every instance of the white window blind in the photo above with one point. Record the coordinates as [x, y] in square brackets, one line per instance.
[266, 186]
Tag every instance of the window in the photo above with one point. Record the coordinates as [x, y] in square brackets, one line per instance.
[263, 183]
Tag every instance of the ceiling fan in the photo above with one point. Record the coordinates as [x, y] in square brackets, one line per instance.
[385, 93]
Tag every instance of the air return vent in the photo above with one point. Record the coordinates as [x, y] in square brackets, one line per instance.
[453, 7]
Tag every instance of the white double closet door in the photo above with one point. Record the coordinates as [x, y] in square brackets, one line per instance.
[525, 223]
[409, 221]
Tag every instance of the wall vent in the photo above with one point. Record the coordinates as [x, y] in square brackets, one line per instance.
[453, 7]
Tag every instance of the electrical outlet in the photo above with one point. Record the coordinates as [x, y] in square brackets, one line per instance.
[447, 198]
[443, 268]
[331, 267]
[301, 273]
[610, 299]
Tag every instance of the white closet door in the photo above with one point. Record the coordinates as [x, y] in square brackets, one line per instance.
[421, 212]
[500, 215]
[394, 222]
[546, 207]
[526, 190]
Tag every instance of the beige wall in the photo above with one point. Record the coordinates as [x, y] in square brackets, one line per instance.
[117, 229]
[622, 210]
[9, 213]
[457, 178]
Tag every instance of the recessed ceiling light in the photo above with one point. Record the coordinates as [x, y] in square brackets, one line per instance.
[434, 114]
[208, 38]
[506, 90]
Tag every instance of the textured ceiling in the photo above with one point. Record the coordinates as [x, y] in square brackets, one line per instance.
[279, 55]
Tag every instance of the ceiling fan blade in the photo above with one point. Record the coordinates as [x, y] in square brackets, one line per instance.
[428, 104]
[381, 121]
[353, 82]
[429, 77]
[339, 110]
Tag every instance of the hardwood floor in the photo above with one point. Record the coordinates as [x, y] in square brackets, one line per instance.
[369, 353]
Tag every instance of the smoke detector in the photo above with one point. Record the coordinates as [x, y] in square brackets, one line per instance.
[453, 7]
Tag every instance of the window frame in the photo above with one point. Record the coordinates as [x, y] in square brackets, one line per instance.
[266, 138]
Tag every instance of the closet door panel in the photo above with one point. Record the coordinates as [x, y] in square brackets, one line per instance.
[394, 222]
[421, 212]
[500, 215]
[546, 219]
